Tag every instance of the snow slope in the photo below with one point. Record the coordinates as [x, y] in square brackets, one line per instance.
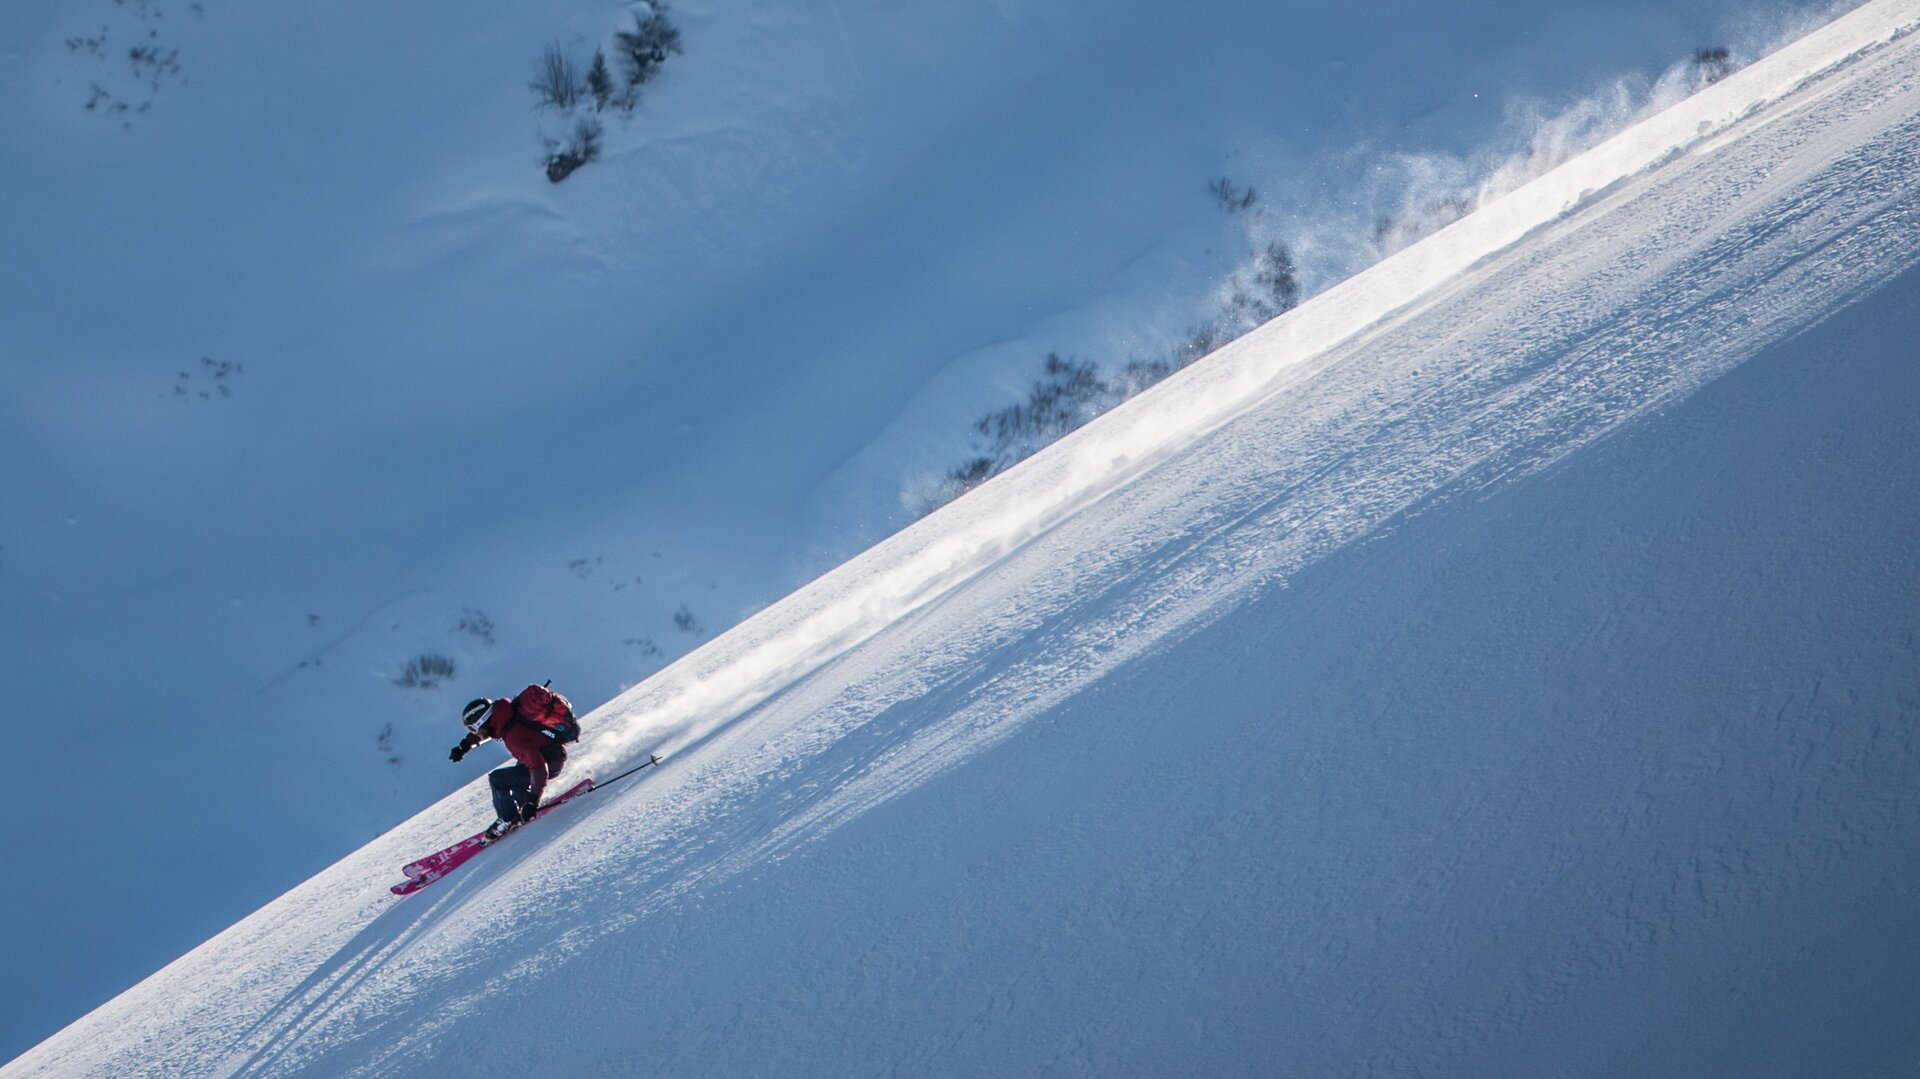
[291, 344]
[1503, 664]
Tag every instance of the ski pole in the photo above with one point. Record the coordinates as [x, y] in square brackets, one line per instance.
[652, 759]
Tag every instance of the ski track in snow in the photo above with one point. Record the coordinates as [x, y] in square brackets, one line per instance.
[1642, 271]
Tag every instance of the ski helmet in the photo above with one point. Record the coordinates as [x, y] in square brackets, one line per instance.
[475, 711]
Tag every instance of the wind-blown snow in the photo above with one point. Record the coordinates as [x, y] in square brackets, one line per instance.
[1503, 664]
[920, 566]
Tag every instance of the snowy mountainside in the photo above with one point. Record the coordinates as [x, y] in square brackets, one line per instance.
[295, 340]
[1502, 664]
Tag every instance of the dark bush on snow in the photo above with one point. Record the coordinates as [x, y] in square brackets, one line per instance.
[1069, 393]
[645, 47]
[583, 146]
[556, 82]
[1713, 64]
[425, 672]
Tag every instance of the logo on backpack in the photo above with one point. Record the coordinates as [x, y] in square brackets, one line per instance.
[551, 712]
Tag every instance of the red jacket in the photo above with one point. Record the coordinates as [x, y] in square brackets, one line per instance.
[543, 756]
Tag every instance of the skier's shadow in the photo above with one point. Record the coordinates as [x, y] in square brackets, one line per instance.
[282, 1026]
[270, 1038]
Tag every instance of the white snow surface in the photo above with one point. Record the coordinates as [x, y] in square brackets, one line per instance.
[1503, 664]
[311, 372]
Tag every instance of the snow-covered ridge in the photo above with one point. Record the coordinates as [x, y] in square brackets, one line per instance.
[857, 690]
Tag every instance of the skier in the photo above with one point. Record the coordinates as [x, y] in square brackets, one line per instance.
[535, 726]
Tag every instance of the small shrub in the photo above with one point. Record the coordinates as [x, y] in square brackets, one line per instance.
[1201, 340]
[1070, 393]
[600, 81]
[1067, 395]
[425, 671]
[645, 47]
[102, 101]
[153, 65]
[583, 146]
[1137, 375]
[1278, 278]
[1231, 196]
[1393, 233]
[684, 620]
[89, 45]
[556, 82]
[384, 743]
[476, 624]
[956, 482]
[1713, 64]
[1273, 291]
[218, 378]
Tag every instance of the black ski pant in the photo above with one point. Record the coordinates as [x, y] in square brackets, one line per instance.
[513, 786]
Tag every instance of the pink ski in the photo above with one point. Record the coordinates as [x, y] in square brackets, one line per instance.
[444, 861]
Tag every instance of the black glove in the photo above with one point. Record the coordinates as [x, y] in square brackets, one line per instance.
[459, 751]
